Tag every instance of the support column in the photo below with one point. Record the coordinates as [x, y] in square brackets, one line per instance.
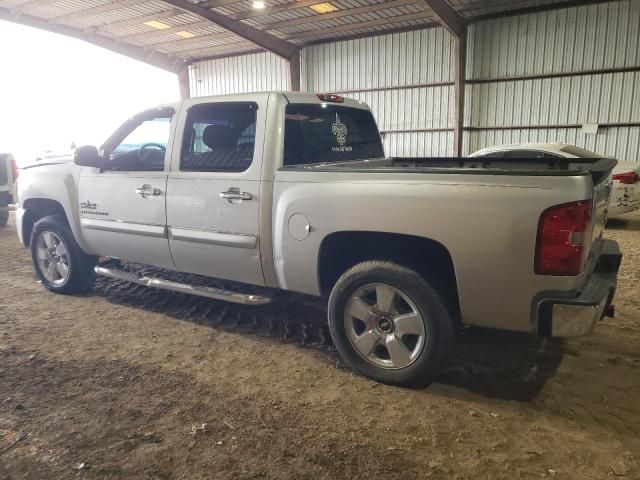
[183, 82]
[460, 73]
[294, 71]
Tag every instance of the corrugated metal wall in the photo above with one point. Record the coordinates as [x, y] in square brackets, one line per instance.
[405, 78]
[246, 73]
[593, 37]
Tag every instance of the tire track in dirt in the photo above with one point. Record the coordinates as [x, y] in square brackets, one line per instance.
[290, 317]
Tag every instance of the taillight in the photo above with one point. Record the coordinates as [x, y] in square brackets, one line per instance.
[14, 168]
[628, 178]
[562, 237]
[330, 97]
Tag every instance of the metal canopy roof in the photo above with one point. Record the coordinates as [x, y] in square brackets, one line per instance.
[171, 33]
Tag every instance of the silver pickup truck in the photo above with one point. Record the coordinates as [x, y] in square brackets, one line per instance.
[294, 191]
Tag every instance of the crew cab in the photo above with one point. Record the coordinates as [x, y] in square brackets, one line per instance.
[293, 191]
[8, 176]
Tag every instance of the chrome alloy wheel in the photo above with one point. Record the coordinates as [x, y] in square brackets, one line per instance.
[384, 326]
[52, 258]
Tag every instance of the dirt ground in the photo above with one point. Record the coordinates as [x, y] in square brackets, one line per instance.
[127, 383]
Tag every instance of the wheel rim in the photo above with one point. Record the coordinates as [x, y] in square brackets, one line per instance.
[52, 258]
[384, 326]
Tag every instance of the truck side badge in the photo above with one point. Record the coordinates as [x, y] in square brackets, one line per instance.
[92, 208]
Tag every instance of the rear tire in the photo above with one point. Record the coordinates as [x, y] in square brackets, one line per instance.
[58, 261]
[389, 323]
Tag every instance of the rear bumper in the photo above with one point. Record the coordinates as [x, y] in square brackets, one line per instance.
[575, 314]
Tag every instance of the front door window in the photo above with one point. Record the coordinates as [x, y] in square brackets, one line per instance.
[143, 148]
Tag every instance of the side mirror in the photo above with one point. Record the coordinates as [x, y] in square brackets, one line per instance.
[87, 156]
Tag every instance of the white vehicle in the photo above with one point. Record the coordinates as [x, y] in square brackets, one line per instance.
[8, 176]
[57, 157]
[292, 190]
[625, 193]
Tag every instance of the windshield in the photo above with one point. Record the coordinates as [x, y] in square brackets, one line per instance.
[324, 133]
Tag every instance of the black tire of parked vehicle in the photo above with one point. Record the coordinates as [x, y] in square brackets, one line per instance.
[4, 215]
[81, 275]
[438, 318]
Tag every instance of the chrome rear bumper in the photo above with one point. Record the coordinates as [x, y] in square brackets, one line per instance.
[571, 315]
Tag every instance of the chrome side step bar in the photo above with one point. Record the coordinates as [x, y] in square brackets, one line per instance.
[215, 293]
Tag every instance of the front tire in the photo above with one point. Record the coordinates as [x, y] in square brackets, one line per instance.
[58, 261]
[389, 323]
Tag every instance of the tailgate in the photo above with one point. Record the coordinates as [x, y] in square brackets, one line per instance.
[602, 190]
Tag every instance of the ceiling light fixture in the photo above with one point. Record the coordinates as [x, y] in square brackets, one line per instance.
[185, 34]
[324, 7]
[157, 24]
[259, 5]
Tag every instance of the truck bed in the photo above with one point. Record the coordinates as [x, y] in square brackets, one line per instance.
[598, 168]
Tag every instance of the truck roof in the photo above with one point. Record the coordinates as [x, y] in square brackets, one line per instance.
[292, 97]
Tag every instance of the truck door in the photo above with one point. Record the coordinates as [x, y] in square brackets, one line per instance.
[213, 191]
[122, 206]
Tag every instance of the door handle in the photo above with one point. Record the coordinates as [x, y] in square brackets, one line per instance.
[147, 190]
[235, 194]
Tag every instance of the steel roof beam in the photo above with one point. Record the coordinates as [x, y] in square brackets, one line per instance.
[193, 41]
[537, 9]
[456, 24]
[459, 79]
[215, 50]
[447, 16]
[269, 42]
[160, 60]
[226, 55]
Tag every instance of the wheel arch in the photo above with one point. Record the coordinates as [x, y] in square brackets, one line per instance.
[36, 209]
[340, 251]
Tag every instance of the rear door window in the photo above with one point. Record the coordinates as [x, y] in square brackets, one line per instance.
[219, 137]
[325, 133]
